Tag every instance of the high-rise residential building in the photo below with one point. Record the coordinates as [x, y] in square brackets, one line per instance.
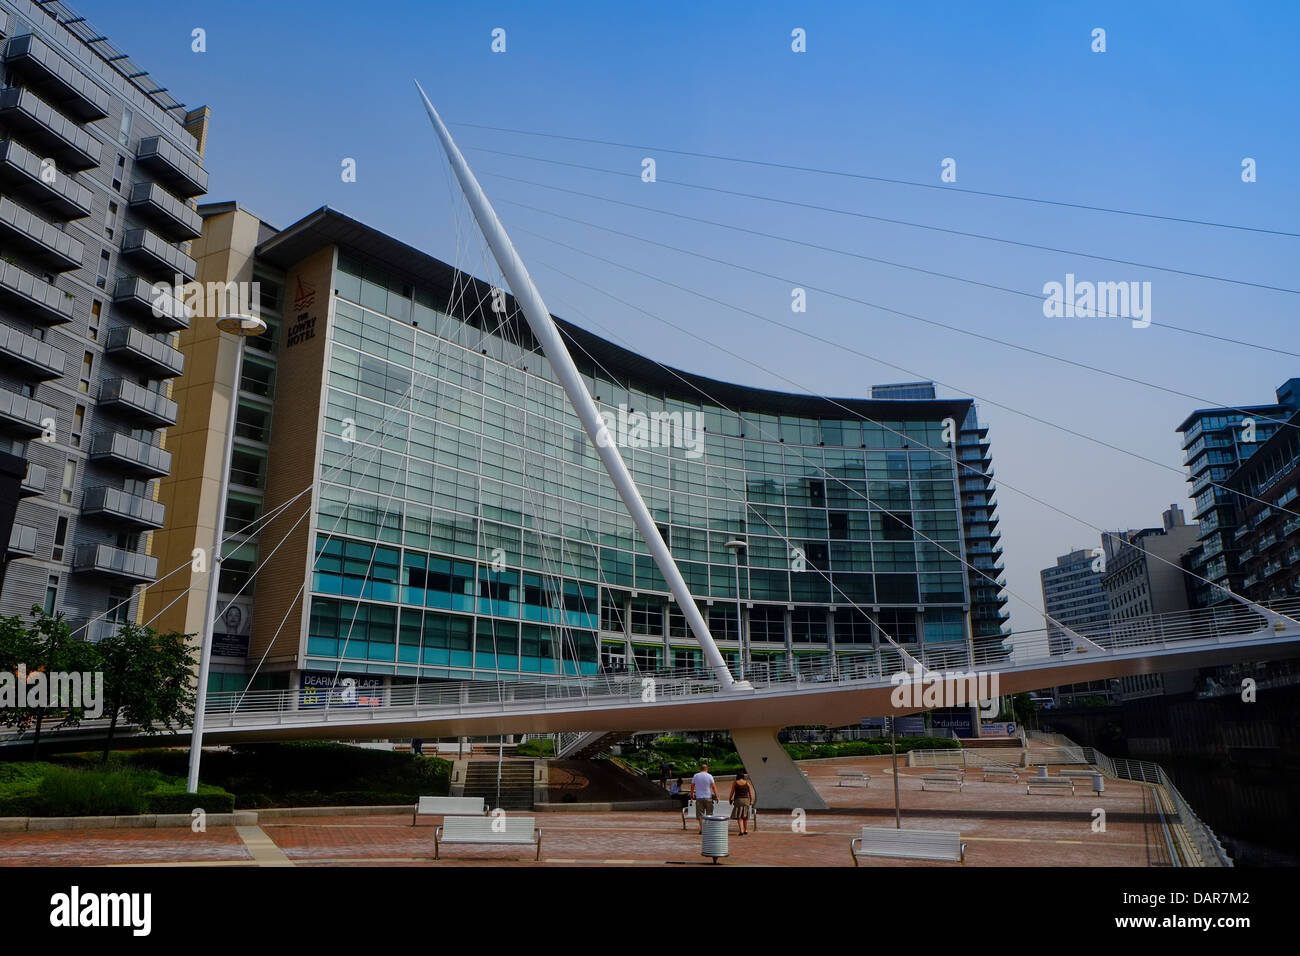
[1215, 443]
[1268, 534]
[1145, 576]
[98, 165]
[979, 521]
[413, 499]
[1073, 597]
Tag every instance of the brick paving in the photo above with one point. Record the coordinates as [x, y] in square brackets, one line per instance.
[1000, 823]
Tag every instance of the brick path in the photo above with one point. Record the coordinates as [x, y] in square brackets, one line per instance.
[999, 822]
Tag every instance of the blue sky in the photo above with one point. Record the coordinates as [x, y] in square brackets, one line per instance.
[1159, 123]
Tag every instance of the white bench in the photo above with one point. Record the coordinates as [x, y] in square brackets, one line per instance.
[911, 844]
[944, 782]
[853, 775]
[721, 808]
[1002, 772]
[1051, 784]
[502, 830]
[1077, 774]
[445, 806]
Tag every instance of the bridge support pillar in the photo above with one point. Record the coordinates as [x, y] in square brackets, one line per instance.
[779, 782]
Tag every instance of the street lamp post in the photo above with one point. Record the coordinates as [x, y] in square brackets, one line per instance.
[240, 326]
[735, 546]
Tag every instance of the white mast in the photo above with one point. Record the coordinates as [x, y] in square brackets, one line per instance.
[539, 320]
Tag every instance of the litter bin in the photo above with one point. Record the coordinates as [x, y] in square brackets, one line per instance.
[1098, 784]
[1042, 770]
[713, 841]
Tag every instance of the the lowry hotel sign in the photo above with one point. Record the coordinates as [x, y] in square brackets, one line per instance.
[303, 326]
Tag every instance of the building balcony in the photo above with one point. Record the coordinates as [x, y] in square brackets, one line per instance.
[33, 296]
[22, 541]
[57, 192]
[58, 80]
[162, 259]
[1292, 525]
[57, 136]
[156, 357]
[20, 415]
[160, 309]
[33, 359]
[1291, 557]
[121, 507]
[44, 242]
[177, 220]
[172, 167]
[33, 482]
[1270, 569]
[115, 562]
[137, 403]
[130, 455]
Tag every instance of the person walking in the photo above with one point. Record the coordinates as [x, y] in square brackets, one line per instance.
[705, 790]
[743, 796]
[663, 774]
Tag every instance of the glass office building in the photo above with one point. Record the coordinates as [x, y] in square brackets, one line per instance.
[460, 524]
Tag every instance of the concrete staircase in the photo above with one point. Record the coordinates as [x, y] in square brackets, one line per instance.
[590, 745]
[516, 783]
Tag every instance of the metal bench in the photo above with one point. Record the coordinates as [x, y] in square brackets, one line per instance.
[721, 808]
[941, 782]
[1001, 772]
[911, 844]
[513, 831]
[444, 806]
[1051, 784]
[853, 775]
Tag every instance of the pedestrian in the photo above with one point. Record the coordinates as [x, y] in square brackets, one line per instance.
[705, 790]
[743, 796]
[663, 774]
[678, 792]
[417, 747]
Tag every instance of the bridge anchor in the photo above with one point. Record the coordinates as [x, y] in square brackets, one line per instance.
[778, 781]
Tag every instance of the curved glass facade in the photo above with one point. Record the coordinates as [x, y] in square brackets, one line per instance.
[481, 537]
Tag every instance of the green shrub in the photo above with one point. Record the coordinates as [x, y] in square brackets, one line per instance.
[65, 792]
[207, 799]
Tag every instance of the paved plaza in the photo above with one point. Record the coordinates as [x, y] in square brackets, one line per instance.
[1001, 825]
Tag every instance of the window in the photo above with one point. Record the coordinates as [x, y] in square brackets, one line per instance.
[124, 130]
[51, 594]
[110, 220]
[101, 277]
[69, 477]
[96, 308]
[87, 364]
[60, 538]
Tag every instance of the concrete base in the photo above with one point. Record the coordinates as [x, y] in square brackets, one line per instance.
[777, 779]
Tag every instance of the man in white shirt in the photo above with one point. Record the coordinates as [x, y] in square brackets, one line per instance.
[705, 791]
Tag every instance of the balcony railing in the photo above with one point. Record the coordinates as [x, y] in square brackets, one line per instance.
[157, 357]
[172, 166]
[31, 294]
[179, 220]
[53, 132]
[21, 415]
[50, 246]
[157, 307]
[130, 454]
[137, 402]
[61, 82]
[42, 183]
[156, 252]
[35, 359]
[22, 541]
[115, 562]
[118, 505]
[33, 481]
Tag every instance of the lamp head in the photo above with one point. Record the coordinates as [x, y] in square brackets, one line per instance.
[241, 324]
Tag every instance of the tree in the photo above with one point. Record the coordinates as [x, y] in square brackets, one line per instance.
[148, 679]
[45, 645]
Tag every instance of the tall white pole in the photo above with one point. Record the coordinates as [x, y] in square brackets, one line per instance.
[214, 574]
[539, 320]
